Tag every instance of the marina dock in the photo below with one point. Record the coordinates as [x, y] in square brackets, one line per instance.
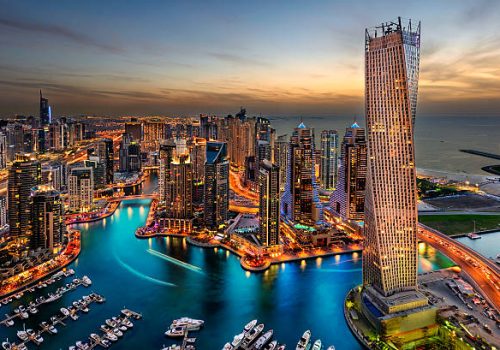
[71, 311]
[24, 312]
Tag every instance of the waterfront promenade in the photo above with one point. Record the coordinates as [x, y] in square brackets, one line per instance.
[23, 279]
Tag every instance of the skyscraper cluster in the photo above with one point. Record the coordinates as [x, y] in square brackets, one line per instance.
[301, 200]
[348, 198]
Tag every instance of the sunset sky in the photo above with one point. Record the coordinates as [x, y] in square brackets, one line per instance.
[274, 57]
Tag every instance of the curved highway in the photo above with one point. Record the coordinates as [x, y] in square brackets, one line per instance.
[483, 273]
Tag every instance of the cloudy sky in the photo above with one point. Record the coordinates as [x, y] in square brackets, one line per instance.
[274, 57]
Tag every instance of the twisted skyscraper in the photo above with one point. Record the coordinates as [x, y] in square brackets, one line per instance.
[391, 80]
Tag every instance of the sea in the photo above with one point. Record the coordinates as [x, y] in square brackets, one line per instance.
[438, 140]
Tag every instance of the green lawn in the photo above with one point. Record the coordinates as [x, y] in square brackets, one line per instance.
[456, 224]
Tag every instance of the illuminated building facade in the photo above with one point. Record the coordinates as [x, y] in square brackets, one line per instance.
[24, 174]
[328, 163]
[281, 159]
[81, 189]
[216, 190]
[269, 203]
[3, 151]
[179, 190]
[300, 200]
[45, 111]
[198, 156]
[391, 82]
[348, 199]
[167, 149]
[47, 216]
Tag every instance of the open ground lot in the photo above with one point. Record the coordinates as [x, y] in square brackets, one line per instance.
[453, 224]
[469, 201]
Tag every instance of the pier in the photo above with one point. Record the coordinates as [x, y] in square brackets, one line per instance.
[114, 329]
[481, 153]
[23, 312]
[71, 311]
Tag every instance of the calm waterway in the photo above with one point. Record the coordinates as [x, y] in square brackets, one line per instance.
[201, 283]
[487, 246]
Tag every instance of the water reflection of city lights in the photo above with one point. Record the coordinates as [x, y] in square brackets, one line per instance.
[421, 247]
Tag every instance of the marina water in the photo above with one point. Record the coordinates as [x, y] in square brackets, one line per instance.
[166, 278]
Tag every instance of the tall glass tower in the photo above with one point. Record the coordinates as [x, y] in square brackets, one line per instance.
[392, 53]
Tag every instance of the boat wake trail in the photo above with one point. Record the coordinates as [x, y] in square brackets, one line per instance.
[175, 261]
[143, 276]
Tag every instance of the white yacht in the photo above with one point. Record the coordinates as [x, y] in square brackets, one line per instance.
[272, 345]
[250, 325]
[303, 343]
[176, 332]
[317, 345]
[6, 345]
[263, 340]
[238, 338]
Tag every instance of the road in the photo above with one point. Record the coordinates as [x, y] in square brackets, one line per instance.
[483, 272]
[238, 188]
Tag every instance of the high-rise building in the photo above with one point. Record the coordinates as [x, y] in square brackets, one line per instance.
[24, 174]
[81, 189]
[47, 216]
[392, 55]
[4, 220]
[134, 129]
[301, 200]
[3, 151]
[57, 135]
[98, 170]
[348, 199]
[263, 151]
[130, 155]
[105, 152]
[328, 164]
[269, 203]
[281, 159]
[165, 183]
[54, 174]
[198, 156]
[208, 127]
[216, 190]
[179, 191]
[45, 111]
[154, 131]
[76, 132]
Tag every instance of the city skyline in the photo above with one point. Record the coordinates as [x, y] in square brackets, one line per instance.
[175, 60]
[269, 222]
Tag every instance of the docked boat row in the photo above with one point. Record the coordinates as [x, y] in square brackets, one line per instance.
[30, 335]
[42, 284]
[110, 332]
[181, 328]
[253, 337]
[305, 343]
[23, 312]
